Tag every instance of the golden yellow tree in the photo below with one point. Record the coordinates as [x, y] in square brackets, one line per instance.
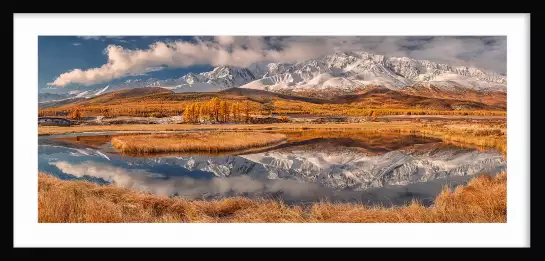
[215, 107]
[196, 113]
[220, 111]
[203, 112]
[76, 115]
[224, 111]
[192, 112]
[234, 112]
[210, 111]
[227, 112]
[237, 108]
[246, 111]
[186, 116]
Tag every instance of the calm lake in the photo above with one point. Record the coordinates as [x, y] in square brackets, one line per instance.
[387, 169]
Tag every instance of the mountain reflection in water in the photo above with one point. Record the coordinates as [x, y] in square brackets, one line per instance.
[312, 166]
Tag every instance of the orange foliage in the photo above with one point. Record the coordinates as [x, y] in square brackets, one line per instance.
[174, 105]
[76, 115]
[215, 110]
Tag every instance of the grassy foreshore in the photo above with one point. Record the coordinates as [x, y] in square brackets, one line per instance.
[195, 142]
[483, 199]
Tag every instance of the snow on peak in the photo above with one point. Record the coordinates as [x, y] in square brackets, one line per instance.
[338, 71]
[351, 70]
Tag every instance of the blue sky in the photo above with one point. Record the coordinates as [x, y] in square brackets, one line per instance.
[74, 62]
[60, 54]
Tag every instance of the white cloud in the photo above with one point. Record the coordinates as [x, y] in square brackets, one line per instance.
[486, 52]
[225, 39]
[76, 44]
[188, 187]
[201, 188]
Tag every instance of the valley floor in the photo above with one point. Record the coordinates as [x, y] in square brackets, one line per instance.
[483, 200]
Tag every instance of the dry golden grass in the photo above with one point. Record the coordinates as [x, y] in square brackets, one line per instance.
[485, 139]
[498, 142]
[491, 135]
[482, 200]
[51, 130]
[195, 142]
[366, 108]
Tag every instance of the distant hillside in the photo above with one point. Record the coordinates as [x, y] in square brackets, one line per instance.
[257, 95]
[383, 97]
[121, 96]
[159, 101]
[492, 98]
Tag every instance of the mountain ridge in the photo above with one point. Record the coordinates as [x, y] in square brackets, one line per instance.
[335, 74]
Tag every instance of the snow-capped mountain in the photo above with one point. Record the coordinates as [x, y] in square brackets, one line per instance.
[342, 70]
[346, 71]
[354, 70]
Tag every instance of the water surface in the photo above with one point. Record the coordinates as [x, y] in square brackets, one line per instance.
[371, 168]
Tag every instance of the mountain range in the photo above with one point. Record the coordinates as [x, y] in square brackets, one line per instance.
[338, 74]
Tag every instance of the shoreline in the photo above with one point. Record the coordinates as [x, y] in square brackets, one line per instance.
[492, 135]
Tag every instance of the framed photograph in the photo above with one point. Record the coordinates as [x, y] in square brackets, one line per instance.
[270, 130]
